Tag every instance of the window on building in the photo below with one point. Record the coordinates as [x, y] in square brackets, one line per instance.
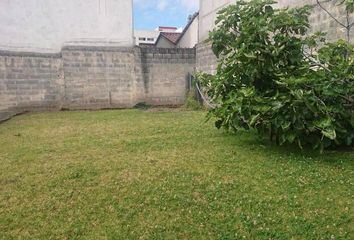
[150, 39]
[142, 39]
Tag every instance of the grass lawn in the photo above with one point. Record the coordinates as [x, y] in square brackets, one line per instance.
[132, 174]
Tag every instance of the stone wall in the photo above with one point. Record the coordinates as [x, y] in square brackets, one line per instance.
[93, 78]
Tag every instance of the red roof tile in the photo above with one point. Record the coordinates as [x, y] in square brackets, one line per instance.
[173, 37]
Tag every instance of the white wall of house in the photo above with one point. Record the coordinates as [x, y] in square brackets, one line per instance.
[209, 9]
[145, 37]
[207, 15]
[190, 36]
[45, 25]
[164, 43]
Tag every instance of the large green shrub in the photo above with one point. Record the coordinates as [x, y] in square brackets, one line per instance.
[274, 78]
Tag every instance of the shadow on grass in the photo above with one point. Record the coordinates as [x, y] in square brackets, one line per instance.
[263, 146]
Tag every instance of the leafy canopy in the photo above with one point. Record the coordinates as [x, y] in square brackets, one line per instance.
[275, 78]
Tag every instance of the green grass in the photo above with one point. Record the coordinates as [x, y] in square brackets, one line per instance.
[135, 174]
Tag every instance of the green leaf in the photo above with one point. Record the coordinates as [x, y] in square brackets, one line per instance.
[254, 119]
[331, 134]
[290, 137]
[285, 125]
[250, 55]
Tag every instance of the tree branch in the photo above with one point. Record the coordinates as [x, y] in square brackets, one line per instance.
[314, 62]
[330, 14]
[347, 98]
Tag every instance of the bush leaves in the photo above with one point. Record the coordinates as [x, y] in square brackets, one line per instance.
[275, 78]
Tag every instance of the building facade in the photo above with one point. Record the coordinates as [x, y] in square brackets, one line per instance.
[161, 37]
[190, 35]
[47, 25]
[188, 38]
[143, 37]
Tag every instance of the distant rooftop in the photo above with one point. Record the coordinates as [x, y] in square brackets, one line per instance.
[171, 36]
[163, 28]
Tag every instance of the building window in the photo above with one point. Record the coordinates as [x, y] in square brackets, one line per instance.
[142, 39]
[151, 39]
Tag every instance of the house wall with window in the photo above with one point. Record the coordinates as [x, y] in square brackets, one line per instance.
[145, 37]
[46, 25]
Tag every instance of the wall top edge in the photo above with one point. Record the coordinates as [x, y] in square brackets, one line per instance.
[21, 53]
[168, 50]
[97, 49]
[12, 53]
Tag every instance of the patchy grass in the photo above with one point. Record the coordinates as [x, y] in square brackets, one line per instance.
[135, 174]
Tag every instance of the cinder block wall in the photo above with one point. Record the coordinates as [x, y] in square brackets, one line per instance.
[166, 73]
[30, 81]
[98, 77]
[93, 78]
[321, 21]
[206, 60]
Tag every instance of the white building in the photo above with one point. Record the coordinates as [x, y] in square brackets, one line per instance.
[209, 9]
[207, 15]
[150, 37]
[189, 36]
[145, 37]
[46, 25]
[170, 37]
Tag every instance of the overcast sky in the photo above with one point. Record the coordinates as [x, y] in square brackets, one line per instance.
[149, 14]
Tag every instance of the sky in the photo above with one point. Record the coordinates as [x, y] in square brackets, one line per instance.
[149, 14]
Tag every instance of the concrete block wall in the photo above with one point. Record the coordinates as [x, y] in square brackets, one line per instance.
[206, 60]
[82, 77]
[29, 82]
[98, 77]
[166, 73]
[321, 21]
